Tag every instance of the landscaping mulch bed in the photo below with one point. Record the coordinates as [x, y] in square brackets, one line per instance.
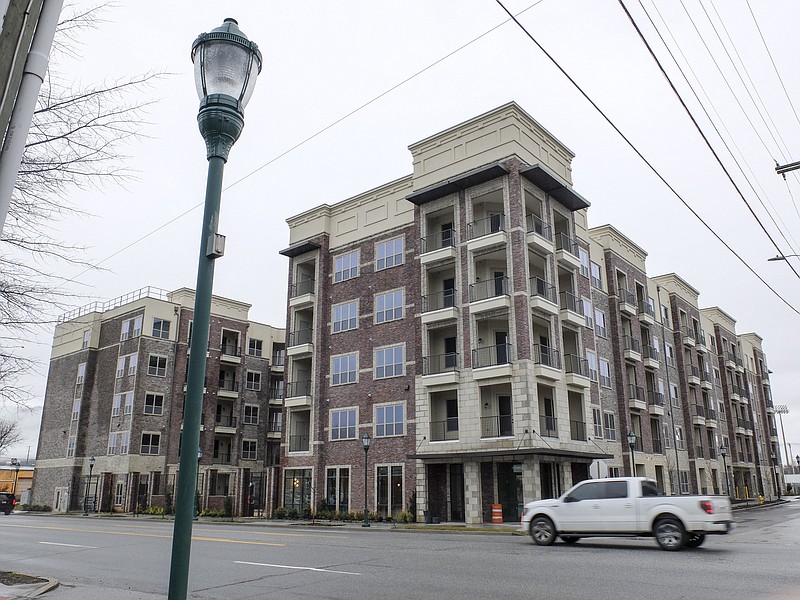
[11, 578]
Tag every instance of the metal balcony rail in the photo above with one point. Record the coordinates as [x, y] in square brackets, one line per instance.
[631, 343]
[765, 374]
[145, 292]
[276, 393]
[439, 300]
[301, 336]
[712, 453]
[298, 443]
[698, 451]
[222, 458]
[688, 332]
[489, 356]
[438, 240]
[539, 287]
[569, 301]
[491, 288]
[701, 337]
[228, 385]
[710, 413]
[651, 352]
[274, 427]
[744, 423]
[576, 365]
[482, 227]
[298, 388]
[548, 426]
[226, 421]
[635, 392]
[230, 349]
[566, 243]
[446, 430]
[699, 411]
[539, 227]
[577, 430]
[655, 398]
[692, 371]
[736, 389]
[302, 287]
[279, 359]
[497, 426]
[658, 447]
[625, 296]
[440, 363]
[547, 356]
[705, 376]
[646, 309]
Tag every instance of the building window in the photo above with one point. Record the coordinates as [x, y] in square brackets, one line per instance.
[254, 347]
[76, 409]
[81, 374]
[389, 420]
[344, 369]
[116, 405]
[87, 335]
[684, 482]
[389, 361]
[297, 489]
[153, 404]
[591, 359]
[161, 329]
[337, 489]
[112, 444]
[583, 254]
[124, 441]
[343, 424]
[389, 306]
[131, 328]
[667, 436]
[345, 316]
[345, 266]
[680, 441]
[610, 426]
[133, 362]
[253, 381]
[597, 420]
[587, 311]
[119, 493]
[389, 253]
[157, 366]
[670, 355]
[605, 373]
[249, 449]
[120, 367]
[251, 414]
[673, 393]
[71, 446]
[596, 276]
[128, 402]
[600, 323]
[389, 490]
[150, 443]
[614, 472]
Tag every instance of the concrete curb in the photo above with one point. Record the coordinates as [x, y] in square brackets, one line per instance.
[27, 590]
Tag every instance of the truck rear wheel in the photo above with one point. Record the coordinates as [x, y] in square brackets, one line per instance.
[669, 534]
[543, 531]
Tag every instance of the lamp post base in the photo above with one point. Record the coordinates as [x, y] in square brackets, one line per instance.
[366, 519]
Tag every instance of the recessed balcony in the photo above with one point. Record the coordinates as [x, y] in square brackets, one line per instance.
[228, 388]
[489, 295]
[636, 397]
[698, 414]
[298, 393]
[705, 381]
[700, 342]
[567, 251]
[439, 369]
[546, 362]
[631, 349]
[437, 247]
[444, 431]
[439, 306]
[491, 361]
[647, 313]
[576, 371]
[650, 356]
[300, 342]
[487, 233]
[494, 426]
[688, 336]
[543, 296]
[626, 302]
[301, 294]
[230, 353]
[655, 403]
[571, 309]
[548, 426]
[225, 424]
[540, 234]
[692, 375]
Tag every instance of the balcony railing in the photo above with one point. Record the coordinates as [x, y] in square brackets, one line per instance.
[631, 343]
[439, 363]
[698, 451]
[699, 411]
[646, 309]
[491, 288]
[302, 287]
[658, 447]
[489, 356]
[226, 421]
[539, 287]
[712, 453]
[566, 243]
[497, 426]
[438, 240]
[439, 300]
[651, 352]
[274, 427]
[744, 423]
[230, 349]
[655, 398]
[301, 336]
[279, 359]
[298, 388]
[486, 226]
[570, 301]
[577, 430]
[539, 227]
[710, 414]
[575, 364]
[625, 296]
[688, 332]
[635, 392]
[446, 430]
[222, 458]
[547, 356]
[298, 443]
[276, 392]
[228, 385]
[548, 426]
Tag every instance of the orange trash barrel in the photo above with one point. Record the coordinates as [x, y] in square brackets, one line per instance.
[497, 513]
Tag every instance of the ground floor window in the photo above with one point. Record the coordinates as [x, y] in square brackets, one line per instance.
[684, 475]
[337, 489]
[297, 489]
[390, 490]
[119, 493]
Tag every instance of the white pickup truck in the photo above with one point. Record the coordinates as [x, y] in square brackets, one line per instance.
[627, 506]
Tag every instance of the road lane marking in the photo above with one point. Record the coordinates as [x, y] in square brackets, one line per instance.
[242, 562]
[70, 545]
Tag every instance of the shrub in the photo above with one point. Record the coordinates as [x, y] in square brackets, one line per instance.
[292, 513]
[36, 507]
[280, 513]
[405, 517]
[213, 512]
[154, 510]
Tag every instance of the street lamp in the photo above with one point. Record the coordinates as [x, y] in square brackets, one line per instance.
[16, 465]
[365, 441]
[226, 65]
[775, 474]
[723, 452]
[631, 444]
[197, 479]
[88, 483]
[783, 257]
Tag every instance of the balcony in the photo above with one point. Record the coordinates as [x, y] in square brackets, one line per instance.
[712, 453]
[730, 360]
[577, 431]
[491, 361]
[626, 302]
[636, 397]
[489, 295]
[300, 342]
[228, 388]
[698, 414]
[700, 340]
[488, 232]
[440, 246]
[278, 361]
[546, 362]
[298, 393]
[276, 392]
[230, 353]
[631, 349]
[650, 356]
[688, 336]
[225, 424]
[576, 371]
[567, 251]
[647, 313]
[439, 307]
[548, 426]
[540, 234]
[572, 309]
[439, 369]
[705, 380]
[658, 446]
[698, 451]
[298, 443]
[655, 403]
[711, 418]
[692, 375]
[302, 293]
[765, 377]
[444, 431]
[734, 391]
[222, 458]
[745, 425]
[497, 426]
[543, 296]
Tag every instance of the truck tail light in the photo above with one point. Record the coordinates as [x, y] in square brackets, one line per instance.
[706, 506]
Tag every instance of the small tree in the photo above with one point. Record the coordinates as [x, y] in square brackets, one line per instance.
[9, 431]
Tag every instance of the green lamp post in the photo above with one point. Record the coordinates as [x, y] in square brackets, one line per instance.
[226, 65]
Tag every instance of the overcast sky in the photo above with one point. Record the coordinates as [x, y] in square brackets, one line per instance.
[323, 60]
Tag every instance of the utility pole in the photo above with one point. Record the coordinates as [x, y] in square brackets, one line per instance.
[783, 169]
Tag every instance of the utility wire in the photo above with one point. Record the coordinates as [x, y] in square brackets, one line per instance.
[644, 159]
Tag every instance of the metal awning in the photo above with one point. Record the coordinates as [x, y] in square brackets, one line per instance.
[300, 248]
[476, 454]
[463, 181]
[547, 181]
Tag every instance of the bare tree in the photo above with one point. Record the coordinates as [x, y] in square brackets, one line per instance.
[75, 142]
[9, 434]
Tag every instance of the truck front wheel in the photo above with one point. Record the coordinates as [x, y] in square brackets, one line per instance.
[543, 531]
[669, 534]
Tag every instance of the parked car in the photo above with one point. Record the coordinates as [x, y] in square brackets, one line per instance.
[7, 502]
[627, 506]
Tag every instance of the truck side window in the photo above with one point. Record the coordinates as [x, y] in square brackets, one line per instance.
[616, 489]
[588, 491]
[649, 489]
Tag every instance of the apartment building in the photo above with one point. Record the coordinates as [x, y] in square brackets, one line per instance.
[114, 404]
[493, 347]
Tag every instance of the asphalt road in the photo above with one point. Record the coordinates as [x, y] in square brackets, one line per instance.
[109, 558]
